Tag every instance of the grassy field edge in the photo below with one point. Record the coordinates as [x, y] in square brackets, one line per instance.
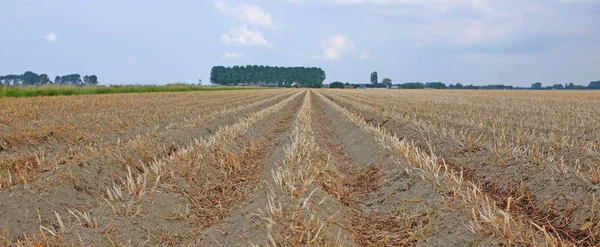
[56, 90]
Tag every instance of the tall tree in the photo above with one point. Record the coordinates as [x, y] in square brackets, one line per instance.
[30, 78]
[436, 85]
[594, 85]
[537, 85]
[44, 79]
[72, 79]
[336, 84]
[57, 79]
[374, 77]
[387, 81]
[93, 79]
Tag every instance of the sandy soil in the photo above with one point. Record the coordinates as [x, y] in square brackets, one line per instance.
[219, 184]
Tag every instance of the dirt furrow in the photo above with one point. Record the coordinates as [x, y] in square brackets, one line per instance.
[560, 203]
[160, 203]
[388, 205]
[513, 224]
[144, 145]
[238, 227]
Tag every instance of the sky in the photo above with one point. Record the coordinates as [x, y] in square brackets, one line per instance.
[481, 42]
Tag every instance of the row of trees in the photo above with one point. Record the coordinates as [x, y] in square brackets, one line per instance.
[592, 85]
[338, 84]
[33, 79]
[440, 85]
[534, 86]
[461, 86]
[267, 76]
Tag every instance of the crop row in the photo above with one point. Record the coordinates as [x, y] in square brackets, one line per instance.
[210, 173]
[492, 213]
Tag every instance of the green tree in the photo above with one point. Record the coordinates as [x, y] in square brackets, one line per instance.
[374, 77]
[44, 79]
[30, 78]
[594, 85]
[267, 76]
[387, 81]
[93, 80]
[436, 85]
[537, 85]
[336, 84]
[71, 79]
[413, 85]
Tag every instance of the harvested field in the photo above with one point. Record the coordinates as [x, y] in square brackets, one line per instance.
[298, 167]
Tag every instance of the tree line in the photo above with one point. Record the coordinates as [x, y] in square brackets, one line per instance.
[33, 79]
[267, 76]
[440, 85]
[592, 85]
[534, 86]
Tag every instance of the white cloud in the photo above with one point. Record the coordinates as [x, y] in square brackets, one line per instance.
[461, 32]
[131, 60]
[245, 37]
[431, 3]
[476, 57]
[482, 6]
[334, 47]
[250, 14]
[364, 55]
[578, 1]
[478, 31]
[347, 1]
[51, 37]
[233, 55]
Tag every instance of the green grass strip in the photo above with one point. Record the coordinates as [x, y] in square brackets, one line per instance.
[55, 90]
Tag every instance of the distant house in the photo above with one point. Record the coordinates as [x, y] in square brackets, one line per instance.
[348, 87]
[377, 86]
[362, 86]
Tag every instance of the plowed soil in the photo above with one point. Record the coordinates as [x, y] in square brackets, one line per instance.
[297, 167]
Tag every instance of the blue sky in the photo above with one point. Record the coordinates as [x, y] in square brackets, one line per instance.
[478, 42]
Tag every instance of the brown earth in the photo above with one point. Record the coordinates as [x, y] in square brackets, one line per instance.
[388, 207]
[563, 203]
[166, 217]
[362, 195]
